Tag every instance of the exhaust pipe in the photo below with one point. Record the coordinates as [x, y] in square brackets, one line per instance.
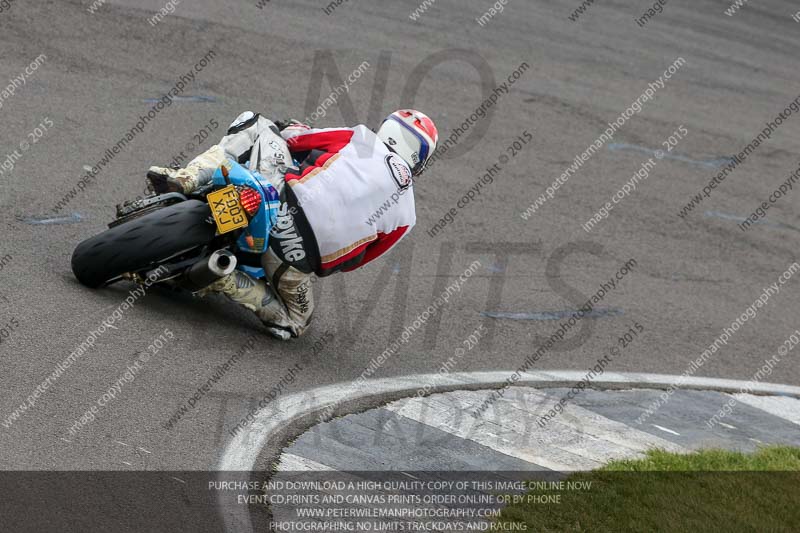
[205, 272]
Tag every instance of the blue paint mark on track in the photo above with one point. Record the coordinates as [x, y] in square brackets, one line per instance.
[738, 219]
[711, 163]
[552, 315]
[182, 99]
[46, 221]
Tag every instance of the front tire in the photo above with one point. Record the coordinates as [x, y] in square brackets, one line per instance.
[142, 242]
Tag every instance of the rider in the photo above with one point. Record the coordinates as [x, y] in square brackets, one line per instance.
[348, 202]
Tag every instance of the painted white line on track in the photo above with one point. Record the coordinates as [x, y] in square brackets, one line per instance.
[242, 451]
[294, 463]
[667, 430]
[577, 439]
[781, 406]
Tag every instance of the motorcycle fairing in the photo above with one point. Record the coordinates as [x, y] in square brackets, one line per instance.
[260, 224]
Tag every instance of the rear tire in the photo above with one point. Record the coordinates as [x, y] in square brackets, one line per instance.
[143, 242]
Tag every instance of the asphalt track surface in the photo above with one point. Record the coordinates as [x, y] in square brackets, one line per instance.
[693, 276]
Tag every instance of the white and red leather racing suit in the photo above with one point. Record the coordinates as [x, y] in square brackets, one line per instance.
[352, 199]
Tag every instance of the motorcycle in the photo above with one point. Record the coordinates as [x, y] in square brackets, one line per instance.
[188, 241]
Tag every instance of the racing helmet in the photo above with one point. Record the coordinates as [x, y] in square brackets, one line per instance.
[412, 135]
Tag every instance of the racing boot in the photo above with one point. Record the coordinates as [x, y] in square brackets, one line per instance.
[186, 180]
[250, 137]
[255, 295]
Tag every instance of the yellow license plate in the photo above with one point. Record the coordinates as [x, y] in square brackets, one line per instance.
[227, 210]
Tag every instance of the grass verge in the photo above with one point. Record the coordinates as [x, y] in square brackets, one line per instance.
[709, 490]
